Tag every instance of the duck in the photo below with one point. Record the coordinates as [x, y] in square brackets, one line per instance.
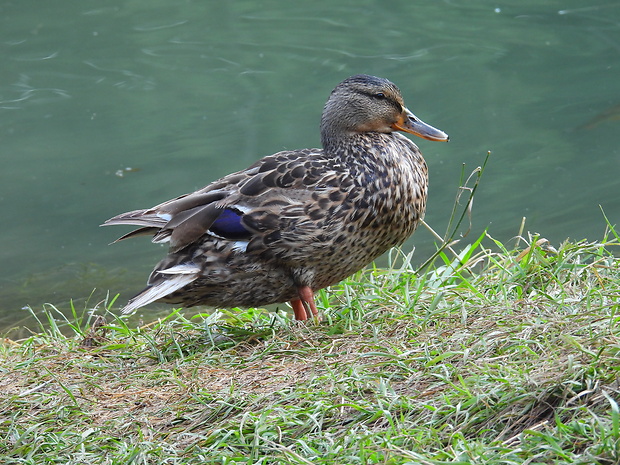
[296, 221]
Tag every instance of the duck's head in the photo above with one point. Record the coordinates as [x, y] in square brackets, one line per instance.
[364, 103]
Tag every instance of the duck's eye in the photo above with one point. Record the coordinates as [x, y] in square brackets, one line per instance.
[380, 95]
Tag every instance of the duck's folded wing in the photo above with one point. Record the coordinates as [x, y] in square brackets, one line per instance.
[258, 206]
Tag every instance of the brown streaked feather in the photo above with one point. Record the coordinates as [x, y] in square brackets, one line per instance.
[138, 232]
[137, 218]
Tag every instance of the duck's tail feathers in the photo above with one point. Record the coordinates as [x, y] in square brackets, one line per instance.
[148, 218]
[159, 290]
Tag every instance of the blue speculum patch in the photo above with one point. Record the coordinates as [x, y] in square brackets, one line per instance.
[229, 225]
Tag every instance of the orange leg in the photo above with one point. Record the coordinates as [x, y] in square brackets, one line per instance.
[299, 309]
[304, 307]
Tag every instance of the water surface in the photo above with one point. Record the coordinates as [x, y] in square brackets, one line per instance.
[111, 106]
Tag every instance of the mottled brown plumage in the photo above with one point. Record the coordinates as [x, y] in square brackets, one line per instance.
[296, 221]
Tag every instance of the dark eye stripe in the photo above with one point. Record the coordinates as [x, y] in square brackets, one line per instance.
[385, 98]
[375, 95]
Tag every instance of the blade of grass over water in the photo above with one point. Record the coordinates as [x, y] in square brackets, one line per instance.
[455, 221]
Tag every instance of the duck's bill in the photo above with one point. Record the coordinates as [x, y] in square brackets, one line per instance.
[413, 125]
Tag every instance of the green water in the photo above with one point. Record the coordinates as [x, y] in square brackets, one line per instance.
[111, 106]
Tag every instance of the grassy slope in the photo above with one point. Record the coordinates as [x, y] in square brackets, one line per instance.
[505, 357]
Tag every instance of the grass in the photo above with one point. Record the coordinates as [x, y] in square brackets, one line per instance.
[498, 356]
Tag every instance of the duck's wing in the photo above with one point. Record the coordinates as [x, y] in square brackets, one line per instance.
[272, 207]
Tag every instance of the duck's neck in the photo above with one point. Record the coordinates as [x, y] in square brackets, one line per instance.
[389, 147]
[336, 141]
[334, 138]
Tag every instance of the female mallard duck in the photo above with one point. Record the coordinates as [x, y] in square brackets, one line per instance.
[296, 221]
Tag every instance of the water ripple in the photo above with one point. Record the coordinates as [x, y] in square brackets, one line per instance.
[38, 58]
[160, 26]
